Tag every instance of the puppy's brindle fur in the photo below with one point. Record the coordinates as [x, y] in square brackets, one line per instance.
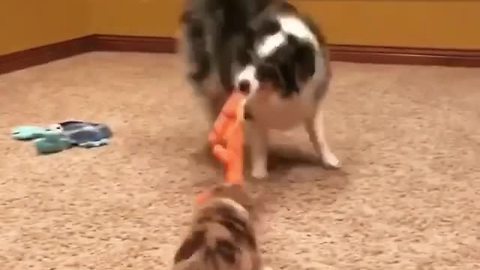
[222, 234]
[272, 52]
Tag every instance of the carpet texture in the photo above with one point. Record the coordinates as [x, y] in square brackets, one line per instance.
[406, 198]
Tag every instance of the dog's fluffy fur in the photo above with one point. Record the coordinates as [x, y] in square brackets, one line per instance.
[222, 234]
[269, 50]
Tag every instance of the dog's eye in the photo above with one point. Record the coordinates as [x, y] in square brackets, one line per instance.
[266, 72]
[227, 250]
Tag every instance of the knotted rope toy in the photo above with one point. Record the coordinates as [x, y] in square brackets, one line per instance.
[227, 140]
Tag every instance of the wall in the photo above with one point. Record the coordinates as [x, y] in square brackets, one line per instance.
[431, 24]
[136, 17]
[26, 24]
[434, 24]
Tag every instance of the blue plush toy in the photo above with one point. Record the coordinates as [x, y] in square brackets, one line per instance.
[64, 135]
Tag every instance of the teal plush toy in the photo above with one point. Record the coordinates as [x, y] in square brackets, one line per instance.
[51, 141]
[24, 133]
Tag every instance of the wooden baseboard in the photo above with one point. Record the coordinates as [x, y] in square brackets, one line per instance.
[348, 53]
[406, 56]
[44, 54]
[134, 44]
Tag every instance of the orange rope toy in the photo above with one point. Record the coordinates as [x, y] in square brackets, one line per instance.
[227, 139]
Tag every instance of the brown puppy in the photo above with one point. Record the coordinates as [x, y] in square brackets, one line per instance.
[222, 234]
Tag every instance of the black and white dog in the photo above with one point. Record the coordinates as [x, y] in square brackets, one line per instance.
[269, 50]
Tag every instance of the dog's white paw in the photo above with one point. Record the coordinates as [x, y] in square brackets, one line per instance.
[260, 173]
[330, 160]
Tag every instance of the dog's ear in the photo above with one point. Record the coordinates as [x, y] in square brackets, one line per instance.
[304, 61]
[259, 201]
[189, 246]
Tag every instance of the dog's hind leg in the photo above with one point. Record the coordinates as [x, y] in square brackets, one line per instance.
[316, 131]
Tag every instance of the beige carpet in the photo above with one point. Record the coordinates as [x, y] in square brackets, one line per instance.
[407, 197]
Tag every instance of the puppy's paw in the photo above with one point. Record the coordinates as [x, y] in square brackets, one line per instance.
[330, 160]
[259, 173]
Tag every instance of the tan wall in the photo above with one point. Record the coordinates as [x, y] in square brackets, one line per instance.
[439, 24]
[435, 24]
[136, 17]
[26, 24]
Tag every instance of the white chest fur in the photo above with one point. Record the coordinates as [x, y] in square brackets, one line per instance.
[275, 112]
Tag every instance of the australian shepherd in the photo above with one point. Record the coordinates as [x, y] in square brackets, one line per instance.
[270, 51]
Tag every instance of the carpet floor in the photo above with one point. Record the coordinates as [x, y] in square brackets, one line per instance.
[406, 198]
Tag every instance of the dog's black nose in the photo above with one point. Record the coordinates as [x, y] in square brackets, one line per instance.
[244, 86]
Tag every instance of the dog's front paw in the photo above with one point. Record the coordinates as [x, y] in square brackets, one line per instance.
[259, 173]
[330, 160]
